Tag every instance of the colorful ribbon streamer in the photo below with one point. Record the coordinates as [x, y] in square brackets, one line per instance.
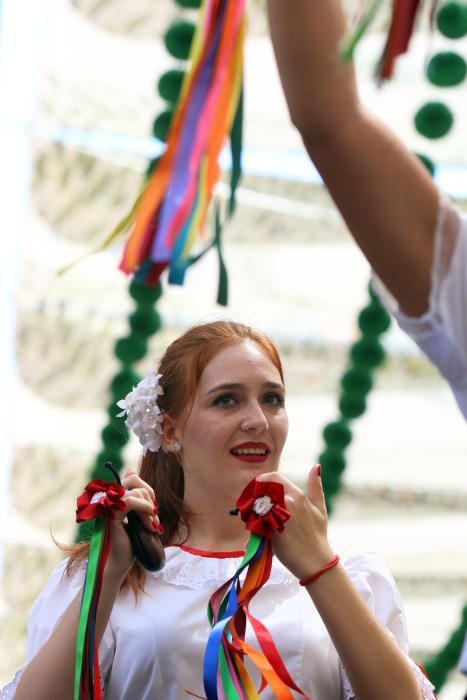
[172, 207]
[403, 19]
[226, 677]
[96, 503]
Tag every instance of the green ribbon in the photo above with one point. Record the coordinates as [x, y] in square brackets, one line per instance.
[95, 550]
[348, 49]
[236, 142]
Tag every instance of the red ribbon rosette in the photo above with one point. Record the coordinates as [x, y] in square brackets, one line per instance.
[262, 507]
[99, 498]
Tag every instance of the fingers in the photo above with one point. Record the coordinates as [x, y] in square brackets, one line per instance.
[140, 497]
[132, 480]
[315, 491]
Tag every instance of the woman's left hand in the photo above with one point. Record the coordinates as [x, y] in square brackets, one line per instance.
[303, 546]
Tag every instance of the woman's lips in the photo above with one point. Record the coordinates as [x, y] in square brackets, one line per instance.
[253, 452]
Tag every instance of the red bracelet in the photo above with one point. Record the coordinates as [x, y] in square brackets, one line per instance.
[313, 577]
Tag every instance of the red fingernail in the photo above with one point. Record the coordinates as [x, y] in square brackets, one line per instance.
[319, 469]
[156, 510]
[160, 529]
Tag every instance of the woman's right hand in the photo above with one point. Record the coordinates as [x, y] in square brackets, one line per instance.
[139, 497]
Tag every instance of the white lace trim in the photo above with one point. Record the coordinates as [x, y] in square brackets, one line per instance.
[426, 687]
[8, 692]
[195, 571]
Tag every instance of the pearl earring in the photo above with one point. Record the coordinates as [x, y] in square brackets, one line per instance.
[177, 447]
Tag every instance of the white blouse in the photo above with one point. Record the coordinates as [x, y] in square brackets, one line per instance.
[153, 647]
[441, 332]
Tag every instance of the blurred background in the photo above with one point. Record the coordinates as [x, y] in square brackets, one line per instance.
[78, 100]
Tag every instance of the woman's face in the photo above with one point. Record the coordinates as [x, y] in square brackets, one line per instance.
[238, 424]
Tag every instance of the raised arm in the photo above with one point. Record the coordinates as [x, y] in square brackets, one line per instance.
[385, 195]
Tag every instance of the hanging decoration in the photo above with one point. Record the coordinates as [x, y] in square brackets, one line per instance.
[440, 665]
[365, 356]
[435, 120]
[172, 207]
[262, 508]
[170, 211]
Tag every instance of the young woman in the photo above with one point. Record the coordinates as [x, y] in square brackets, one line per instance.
[414, 239]
[223, 422]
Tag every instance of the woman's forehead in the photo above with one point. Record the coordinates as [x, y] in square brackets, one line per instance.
[243, 360]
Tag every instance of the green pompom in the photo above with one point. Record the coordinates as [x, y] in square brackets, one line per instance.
[446, 69]
[357, 383]
[367, 353]
[113, 438]
[332, 460]
[145, 321]
[337, 435]
[189, 4]
[434, 120]
[161, 126]
[170, 85]
[144, 294]
[123, 383]
[178, 38]
[452, 20]
[427, 162]
[352, 406]
[374, 320]
[131, 349]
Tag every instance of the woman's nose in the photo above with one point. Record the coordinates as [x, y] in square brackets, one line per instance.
[255, 420]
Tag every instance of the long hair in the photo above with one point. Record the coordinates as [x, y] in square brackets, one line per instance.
[181, 368]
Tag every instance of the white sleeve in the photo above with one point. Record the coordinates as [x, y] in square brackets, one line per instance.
[372, 579]
[441, 332]
[47, 612]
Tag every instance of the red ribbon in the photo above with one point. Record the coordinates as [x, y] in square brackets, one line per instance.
[250, 507]
[111, 499]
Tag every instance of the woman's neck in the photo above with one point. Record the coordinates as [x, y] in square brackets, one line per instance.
[213, 531]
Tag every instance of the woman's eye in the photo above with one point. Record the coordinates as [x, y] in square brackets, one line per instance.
[274, 399]
[225, 400]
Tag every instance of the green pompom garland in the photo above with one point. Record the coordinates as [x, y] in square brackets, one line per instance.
[365, 356]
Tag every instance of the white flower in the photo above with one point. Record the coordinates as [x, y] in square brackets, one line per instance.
[262, 505]
[98, 497]
[144, 416]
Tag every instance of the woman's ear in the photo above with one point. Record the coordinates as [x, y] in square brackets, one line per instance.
[169, 438]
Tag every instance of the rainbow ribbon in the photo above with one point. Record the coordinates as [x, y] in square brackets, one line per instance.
[225, 674]
[172, 207]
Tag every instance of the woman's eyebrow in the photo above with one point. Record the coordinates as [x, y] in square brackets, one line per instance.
[226, 386]
[236, 386]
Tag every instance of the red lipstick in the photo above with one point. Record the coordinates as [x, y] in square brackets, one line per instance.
[245, 454]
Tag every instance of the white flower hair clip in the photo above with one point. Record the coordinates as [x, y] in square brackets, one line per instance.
[144, 417]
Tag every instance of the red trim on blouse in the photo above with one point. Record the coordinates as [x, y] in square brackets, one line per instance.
[212, 555]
